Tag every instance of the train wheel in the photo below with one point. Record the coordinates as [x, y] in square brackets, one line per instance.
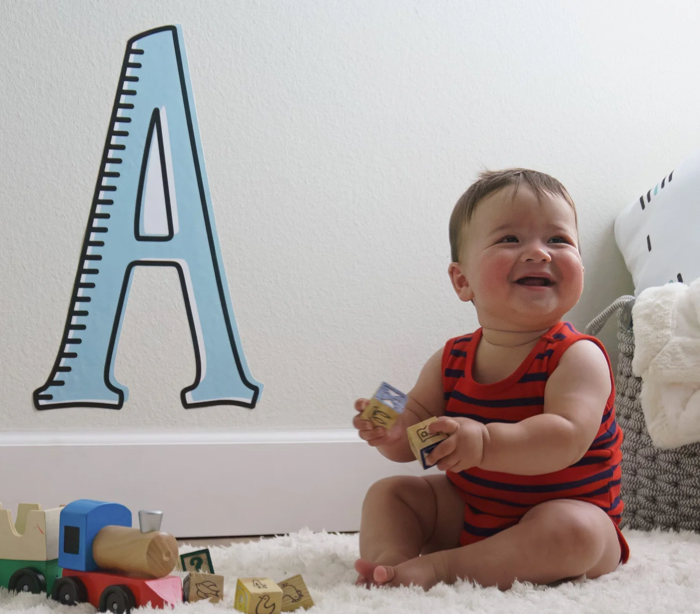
[117, 599]
[27, 580]
[69, 591]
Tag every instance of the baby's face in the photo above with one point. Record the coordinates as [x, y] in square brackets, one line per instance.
[520, 263]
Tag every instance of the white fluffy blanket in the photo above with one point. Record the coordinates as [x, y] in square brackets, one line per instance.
[667, 358]
[661, 576]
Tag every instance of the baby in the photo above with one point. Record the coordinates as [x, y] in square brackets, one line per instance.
[529, 480]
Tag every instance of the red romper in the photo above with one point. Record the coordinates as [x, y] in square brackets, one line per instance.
[495, 501]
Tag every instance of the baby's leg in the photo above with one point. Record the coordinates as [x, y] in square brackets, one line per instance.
[405, 516]
[553, 541]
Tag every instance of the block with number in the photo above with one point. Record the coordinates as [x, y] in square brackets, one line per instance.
[423, 442]
[385, 407]
[295, 594]
[201, 586]
[257, 595]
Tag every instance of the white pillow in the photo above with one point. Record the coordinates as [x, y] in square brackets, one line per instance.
[659, 233]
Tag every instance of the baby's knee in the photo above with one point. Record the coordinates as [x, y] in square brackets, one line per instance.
[404, 487]
[578, 534]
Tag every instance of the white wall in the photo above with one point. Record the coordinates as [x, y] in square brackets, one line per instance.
[338, 136]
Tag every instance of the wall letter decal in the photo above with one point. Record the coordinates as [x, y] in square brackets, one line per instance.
[151, 207]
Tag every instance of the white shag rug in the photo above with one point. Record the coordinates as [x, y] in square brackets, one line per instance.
[662, 575]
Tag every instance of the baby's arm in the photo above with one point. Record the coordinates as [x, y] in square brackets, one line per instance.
[426, 399]
[574, 401]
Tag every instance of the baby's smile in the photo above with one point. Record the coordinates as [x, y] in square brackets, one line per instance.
[534, 281]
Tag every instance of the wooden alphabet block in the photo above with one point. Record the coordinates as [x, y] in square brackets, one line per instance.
[199, 561]
[385, 406]
[295, 594]
[257, 596]
[423, 442]
[200, 586]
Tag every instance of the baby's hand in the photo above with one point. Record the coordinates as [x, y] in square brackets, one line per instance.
[372, 434]
[463, 449]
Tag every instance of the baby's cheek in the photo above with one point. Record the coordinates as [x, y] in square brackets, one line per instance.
[497, 269]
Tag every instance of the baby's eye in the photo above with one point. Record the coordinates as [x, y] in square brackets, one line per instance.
[509, 239]
[559, 240]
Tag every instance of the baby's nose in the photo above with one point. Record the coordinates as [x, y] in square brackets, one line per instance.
[537, 254]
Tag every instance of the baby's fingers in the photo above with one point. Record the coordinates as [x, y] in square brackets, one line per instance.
[440, 452]
[443, 425]
[361, 404]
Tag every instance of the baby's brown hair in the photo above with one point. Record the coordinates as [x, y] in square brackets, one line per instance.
[492, 181]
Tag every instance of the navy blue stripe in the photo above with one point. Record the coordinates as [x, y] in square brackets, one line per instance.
[571, 328]
[477, 418]
[607, 435]
[540, 488]
[606, 416]
[545, 354]
[462, 340]
[558, 336]
[454, 372]
[606, 445]
[472, 530]
[593, 493]
[607, 439]
[521, 402]
[501, 501]
[590, 460]
[534, 377]
[478, 512]
[458, 353]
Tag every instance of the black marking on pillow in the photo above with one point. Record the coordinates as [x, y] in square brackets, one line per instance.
[663, 181]
[670, 177]
[641, 202]
[649, 196]
[648, 243]
[679, 277]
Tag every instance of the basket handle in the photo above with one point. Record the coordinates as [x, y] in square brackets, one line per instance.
[624, 302]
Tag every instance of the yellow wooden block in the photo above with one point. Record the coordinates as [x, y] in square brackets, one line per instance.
[422, 442]
[200, 586]
[380, 414]
[257, 596]
[35, 535]
[295, 594]
[385, 407]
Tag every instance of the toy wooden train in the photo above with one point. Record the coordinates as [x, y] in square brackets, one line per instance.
[87, 551]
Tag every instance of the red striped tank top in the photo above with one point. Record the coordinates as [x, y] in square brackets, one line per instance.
[594, 478]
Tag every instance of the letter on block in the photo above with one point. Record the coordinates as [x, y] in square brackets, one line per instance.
[200, 586]
[257, 596]
[385, 406]
[295, 594]
[422, 442]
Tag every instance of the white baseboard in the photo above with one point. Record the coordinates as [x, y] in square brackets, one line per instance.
[207, 485]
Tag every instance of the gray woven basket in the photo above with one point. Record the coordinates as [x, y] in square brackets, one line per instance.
[660, 488]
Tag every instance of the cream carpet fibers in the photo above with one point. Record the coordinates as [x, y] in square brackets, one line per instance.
[663, 575]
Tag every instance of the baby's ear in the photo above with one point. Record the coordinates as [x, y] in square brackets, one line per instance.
[459, 282]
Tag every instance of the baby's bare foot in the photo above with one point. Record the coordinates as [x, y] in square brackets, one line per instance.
[420, 571]
[365, 569]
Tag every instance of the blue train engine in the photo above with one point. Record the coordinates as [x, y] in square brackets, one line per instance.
[111, 565]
